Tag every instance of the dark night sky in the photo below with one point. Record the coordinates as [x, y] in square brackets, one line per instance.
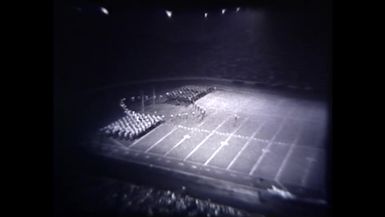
[290, 41]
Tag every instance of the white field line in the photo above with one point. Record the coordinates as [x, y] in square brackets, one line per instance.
[223, 143]
[266, 149]
[176, 145]
[205, 139]
[161, 139]
[270, 144]
[307, 172]
[144, 136]
[288, 154]
[245, 145]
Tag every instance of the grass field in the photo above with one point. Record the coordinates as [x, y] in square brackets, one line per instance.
[278, 139]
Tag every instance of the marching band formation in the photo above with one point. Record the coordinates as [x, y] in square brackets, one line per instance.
[188, 94]
[132, 125]
[135, 124]
[200, 110]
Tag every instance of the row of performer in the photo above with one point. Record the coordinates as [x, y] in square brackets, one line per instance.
[132, 126]
[188, 94]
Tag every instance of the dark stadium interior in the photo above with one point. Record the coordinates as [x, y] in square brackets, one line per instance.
[192, 107]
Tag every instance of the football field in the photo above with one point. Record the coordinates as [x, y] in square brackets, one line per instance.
[248, 137]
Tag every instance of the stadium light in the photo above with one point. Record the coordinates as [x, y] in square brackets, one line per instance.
[238, 8]
[169, 13]
[205, 15]
[223, 11]
[104, 10]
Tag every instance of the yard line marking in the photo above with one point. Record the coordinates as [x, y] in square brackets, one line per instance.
[177, 144]
[226, 134]
[246, 144]
[194, 129]
[144, 136]
[271, 142]
[210, 135]
[288, 154]
[223, 143]
[205, 139]
[266, 150]
[136, 153]
[161, 139]
[307, 171]
[242, 174]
